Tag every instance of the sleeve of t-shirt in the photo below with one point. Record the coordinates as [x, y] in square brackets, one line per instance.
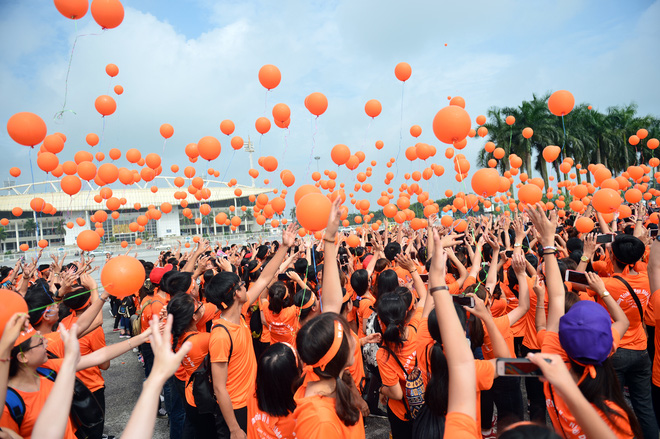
[97, 339]
[387, 373]
[454, 288]
[551, 345]
[55, 344]
[416, 319]
[461, 426]
[485, 374]
[469, 281]
[7, 422]
[219, 345]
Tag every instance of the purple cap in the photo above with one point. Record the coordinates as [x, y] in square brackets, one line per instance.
[585, 333]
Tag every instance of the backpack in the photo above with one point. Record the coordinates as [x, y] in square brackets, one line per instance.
[127, 307]
[86, 412]
[413, 389]
[369, 350]
[202, 380]
[136, 319]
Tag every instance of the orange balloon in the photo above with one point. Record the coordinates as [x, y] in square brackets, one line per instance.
[47, 161]
[108, 173]
[633, 196]
[262, 125]
[123, 276]
[481, 119]
[269, 76]
[227, 127]
[114, 154]
[510, 120]
[281, 112]
[340, 154]
[88, 240]
[209, 148]
[380, 144]
[305, 190]
[107, 13]
[70, 184]
[606, 201]
[584, 224]
[402, 71]
[561, 102]
[105, 104]
[550, 153]
[166, 130]
[133, 155]
[498, 153]
[236, 142]
[53, 143]
[316, 103]
[312, 211]
[451, 124]
[26, 129]
[527, 132]
[486, 182]
[652, 143]
[530, 194]
[24, 247]
[73, 9]
[373, 108]
[119, 90]
[152, 160]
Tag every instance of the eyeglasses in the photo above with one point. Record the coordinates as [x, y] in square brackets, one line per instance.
[200, 305]
[42, 341]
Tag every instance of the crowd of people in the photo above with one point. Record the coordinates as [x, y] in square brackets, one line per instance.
[306, 338]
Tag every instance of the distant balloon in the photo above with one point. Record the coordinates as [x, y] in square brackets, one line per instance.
[269, 76]
[402, 71]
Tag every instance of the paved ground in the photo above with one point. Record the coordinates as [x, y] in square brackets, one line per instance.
[123, 382]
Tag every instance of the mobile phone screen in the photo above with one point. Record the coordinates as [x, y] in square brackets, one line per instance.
[424, 277]
[654, 232]
[604, 238]
[282, 277]
[576, 277]
[464, 300]
[517, 367]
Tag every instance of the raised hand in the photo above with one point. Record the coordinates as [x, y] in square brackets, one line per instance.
[289, 234]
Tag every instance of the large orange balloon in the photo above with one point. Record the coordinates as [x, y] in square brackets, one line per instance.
[312, 211]
[561, 102]
[112, 70]
[281, 112]
[606, 201]
[88, 240]
[47, 161]
[73, 9]
[486, 182]
[530, 194]
[26, 129]
[122, 276]
[209, 148]
[70, 184]
[373, 108]
[53, 143]
[15, 172]
[269, 76]
[527, 132]
[107, 13]
[227, 127]
[304, 190]
[316, 103]
[237, 142]
[152, 160]
[133, 155]
[105, 104]
[402, 71]
[584, 224]
[550, 153]
[262, 125]
[451, 124]
[166, 130]
[340, 154]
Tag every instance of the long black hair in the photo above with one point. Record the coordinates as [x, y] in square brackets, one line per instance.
[278, 297]
[182, 308]
[314, 341]
[278, 370]
[606, 387]
[394, 310]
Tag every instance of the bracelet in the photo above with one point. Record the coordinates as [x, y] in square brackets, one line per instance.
[434, 289]
[413, 271]
[550, 253]
[550, 247]
[129, 343]
[332, 241]
[5, 360]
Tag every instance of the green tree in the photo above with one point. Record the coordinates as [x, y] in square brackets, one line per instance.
[30, 226]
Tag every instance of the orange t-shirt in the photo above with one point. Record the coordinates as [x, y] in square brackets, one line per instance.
[656, 362]
[55, 344]
[562, 419]
[34, 402]
[403, 274]
[316, 418]
[210, 313]
[391, 372]
[498, 308]
[261, 425]
[364, 311]
[357, 368]
[461, 426]
[192, 360]
[635, 336]
[283, 325]
[91, 376]
[518, 328]
[504, 327]
[151, 306]
[242, 367]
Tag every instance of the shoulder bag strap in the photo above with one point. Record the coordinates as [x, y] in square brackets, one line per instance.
[634, 296]
[231, 342]
[405, 374]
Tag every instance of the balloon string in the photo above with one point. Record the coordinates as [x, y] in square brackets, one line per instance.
[60, 113]
[32, 175]
[403, 88]
[228, 166]
[102, 131]
[164, 143]
[68, 297]
[286, 142]
[366, 133]
[311, 154]
[266, 102]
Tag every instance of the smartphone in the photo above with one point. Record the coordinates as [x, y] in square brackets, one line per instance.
[424, 277]
[558, 230]
[605, 238]
[654, 232]
[282, 277]
[520, 367]
[508, 253]
[576, 277]
[464, 300]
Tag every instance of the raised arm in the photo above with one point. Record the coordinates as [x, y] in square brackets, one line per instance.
[12, 330]
[620, 320]
[500, 348]
[546, 227]
[519, 266]
[407, 263]
[332, 298]
[270, 270]
[460, 362]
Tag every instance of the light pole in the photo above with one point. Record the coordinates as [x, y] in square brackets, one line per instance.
[249, 147]
[317, 158]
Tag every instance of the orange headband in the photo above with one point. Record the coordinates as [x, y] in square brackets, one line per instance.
[256, 268]
[588, 369]
[346, 297]
[310, 302]
[334, 348]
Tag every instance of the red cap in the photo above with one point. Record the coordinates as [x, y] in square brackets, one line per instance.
[157, 273]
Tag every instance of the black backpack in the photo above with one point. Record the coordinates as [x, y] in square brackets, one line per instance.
[127, 307]
[202, 379]
[86, 412]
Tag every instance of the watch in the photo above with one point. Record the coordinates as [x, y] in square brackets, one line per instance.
[605, 294]
[584, 259]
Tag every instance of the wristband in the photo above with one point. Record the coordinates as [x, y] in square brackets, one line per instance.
[550, 253]
[517, 244]
[434, 289]
[332, 241]
[550, 247]
[4, 360]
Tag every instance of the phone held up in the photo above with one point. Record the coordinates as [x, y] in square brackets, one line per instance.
[464, 300]
[520, 367]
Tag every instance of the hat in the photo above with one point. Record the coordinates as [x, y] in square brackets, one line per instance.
[585, 333]
[25, 335]
[157, 273]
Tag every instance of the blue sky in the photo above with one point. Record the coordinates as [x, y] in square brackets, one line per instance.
[194, 63]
